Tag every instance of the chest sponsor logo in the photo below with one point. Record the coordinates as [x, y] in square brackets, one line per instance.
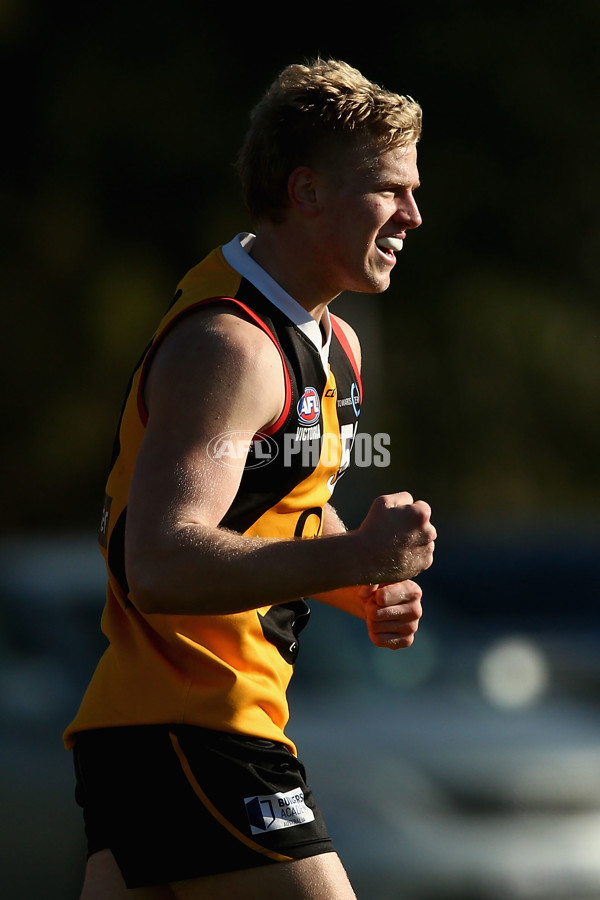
[353, 400]
[309, 407]
[269, 812]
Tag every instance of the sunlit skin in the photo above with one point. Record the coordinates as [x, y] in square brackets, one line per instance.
[337, 212]
[373, 198]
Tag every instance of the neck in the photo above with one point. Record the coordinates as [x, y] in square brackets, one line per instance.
[287, 260]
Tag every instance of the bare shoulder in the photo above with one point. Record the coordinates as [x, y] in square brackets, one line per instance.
[351, 337]
[221, 351]
[220, 331]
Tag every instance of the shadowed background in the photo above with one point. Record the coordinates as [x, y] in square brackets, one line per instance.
[121, 128]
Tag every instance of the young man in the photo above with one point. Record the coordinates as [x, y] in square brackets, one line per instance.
[237, 424]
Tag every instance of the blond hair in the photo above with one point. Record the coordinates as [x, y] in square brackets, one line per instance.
[305, 110]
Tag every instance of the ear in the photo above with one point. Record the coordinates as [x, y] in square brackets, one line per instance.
[302, 190]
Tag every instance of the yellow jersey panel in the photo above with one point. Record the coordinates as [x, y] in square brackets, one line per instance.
[228, 672]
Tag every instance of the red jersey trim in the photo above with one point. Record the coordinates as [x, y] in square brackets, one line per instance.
[341, 336]
[143, 412]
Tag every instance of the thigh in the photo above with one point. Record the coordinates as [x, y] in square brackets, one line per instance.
[103, 880]
[316, 878]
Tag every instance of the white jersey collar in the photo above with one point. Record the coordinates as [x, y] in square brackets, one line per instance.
[237, 254]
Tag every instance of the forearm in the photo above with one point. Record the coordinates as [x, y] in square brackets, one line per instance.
[200, 570]
[195, 568]
[344, 598]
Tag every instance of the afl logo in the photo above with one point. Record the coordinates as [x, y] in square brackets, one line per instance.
[309, 407]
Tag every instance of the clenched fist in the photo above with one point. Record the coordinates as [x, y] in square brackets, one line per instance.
[392, 613]
[396, 538]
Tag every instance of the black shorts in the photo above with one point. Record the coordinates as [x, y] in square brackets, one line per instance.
[174, 802]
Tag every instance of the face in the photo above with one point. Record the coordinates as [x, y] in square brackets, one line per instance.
[368, 199]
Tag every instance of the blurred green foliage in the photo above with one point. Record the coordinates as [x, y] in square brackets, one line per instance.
[122, 124]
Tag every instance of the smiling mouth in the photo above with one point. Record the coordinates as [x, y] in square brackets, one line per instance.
[390, 245]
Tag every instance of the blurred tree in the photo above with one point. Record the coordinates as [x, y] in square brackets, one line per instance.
[124, 123]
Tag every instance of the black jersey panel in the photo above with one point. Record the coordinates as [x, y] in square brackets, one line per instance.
[262, 487]
[282, 625]
[116, 552]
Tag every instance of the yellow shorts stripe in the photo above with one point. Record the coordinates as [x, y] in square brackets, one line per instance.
[277, 857]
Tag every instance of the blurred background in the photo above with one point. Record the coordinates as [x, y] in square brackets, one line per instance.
[469, 766]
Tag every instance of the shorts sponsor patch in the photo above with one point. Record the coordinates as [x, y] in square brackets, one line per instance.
[272, 811]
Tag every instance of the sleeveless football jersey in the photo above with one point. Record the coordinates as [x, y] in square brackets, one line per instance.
[228, 672]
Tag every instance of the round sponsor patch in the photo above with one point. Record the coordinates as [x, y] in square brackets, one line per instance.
[355, 397]
[309, 407]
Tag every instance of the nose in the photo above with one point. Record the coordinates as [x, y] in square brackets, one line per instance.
[407, 212]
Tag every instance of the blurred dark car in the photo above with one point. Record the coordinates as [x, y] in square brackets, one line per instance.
[465, 768]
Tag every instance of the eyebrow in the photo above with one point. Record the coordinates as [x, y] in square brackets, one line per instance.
[393, 185]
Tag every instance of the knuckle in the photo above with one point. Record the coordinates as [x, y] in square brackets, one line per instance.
[423, 509]
[401, 643]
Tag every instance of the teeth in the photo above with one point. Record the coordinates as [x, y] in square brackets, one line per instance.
[391, 243]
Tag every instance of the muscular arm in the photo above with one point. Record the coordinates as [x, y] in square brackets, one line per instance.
[215, 373]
